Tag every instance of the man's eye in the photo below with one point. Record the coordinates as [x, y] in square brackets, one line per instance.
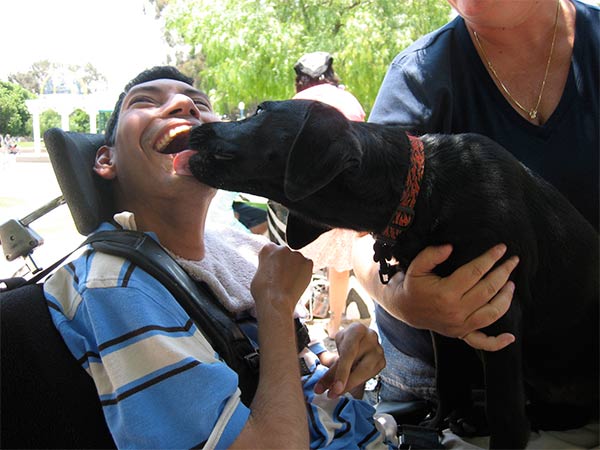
[201, 104]
[141, 99]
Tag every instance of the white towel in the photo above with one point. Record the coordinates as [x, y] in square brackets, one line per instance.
[229, 264]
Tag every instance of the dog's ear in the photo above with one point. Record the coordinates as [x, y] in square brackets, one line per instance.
[323, 148]
[299, 232]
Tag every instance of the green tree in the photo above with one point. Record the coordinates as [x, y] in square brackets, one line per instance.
[49, 119]
[245, 50]
[79, 121]
[14, 115]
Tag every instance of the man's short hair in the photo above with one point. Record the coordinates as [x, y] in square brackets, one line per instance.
[155, 73]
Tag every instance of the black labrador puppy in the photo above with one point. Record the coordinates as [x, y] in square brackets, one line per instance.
[411, 193]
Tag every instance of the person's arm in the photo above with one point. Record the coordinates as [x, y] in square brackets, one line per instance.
[278, 417]
[471, 298]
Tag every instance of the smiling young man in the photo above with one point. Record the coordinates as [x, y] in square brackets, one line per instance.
[160, 383]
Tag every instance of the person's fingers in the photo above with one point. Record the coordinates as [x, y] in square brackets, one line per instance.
[491, 311]
[360, 358]
[490, 285]
[365, 368]
[326, 381]
[341, 370]
[427, 259]
[481, 341]
[469, 274]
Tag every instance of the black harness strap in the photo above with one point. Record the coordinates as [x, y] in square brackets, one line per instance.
[213, 320]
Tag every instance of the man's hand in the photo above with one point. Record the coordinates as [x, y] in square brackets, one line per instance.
[360, 358]
[281, 278]
[471, 298]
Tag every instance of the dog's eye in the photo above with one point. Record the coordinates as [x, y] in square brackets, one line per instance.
[259, 109]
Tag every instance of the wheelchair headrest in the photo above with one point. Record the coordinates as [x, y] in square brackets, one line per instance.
[87, 195]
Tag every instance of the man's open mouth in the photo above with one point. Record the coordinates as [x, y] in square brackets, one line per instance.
[174, 140]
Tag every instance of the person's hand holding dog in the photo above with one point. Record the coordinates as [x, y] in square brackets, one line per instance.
[471, 298]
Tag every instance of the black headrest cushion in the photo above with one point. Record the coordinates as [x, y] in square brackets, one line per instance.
[87, 195]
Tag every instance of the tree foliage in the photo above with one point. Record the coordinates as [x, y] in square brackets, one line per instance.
[245, 50]
[79, 121]
[49, 119]
[36, 77]
[46, 77]
[14, 115]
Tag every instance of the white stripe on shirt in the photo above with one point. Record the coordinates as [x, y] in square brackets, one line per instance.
[60, 286]
[105, 271]
[143, 359]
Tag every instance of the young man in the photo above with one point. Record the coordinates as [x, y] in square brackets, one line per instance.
[160, 383]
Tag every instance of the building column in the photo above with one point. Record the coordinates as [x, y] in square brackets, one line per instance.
[93, 116]
[33, 107]
[64, 120]
[37, 138]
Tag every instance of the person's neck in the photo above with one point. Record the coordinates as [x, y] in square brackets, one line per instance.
[180, 230]
[532, 31]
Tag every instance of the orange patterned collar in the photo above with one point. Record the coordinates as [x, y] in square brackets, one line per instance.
[405, 212]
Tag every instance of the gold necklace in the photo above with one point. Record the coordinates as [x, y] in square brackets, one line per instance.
[533, 111]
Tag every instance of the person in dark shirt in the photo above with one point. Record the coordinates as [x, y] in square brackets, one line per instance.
[522, 73]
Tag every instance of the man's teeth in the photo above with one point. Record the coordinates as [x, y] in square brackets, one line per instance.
[168, 137]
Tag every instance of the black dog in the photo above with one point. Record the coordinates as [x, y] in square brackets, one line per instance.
[465, 190]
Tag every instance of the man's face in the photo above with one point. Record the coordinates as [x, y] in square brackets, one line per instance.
[153, 115]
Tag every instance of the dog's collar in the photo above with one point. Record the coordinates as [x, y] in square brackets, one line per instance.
[412, 184]
[405, 212]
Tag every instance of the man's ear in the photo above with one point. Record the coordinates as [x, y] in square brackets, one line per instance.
[104, 164]
[323, 148]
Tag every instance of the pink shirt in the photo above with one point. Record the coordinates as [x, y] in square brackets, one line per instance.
[337, 97]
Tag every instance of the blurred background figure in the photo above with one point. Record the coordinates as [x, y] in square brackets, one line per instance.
[232, 209]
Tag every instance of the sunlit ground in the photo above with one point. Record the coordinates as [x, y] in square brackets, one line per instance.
[24, 187]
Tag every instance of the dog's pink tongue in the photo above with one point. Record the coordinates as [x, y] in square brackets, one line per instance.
[181, 163]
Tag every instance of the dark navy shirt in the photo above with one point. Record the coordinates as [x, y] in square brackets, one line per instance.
[440, 85]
